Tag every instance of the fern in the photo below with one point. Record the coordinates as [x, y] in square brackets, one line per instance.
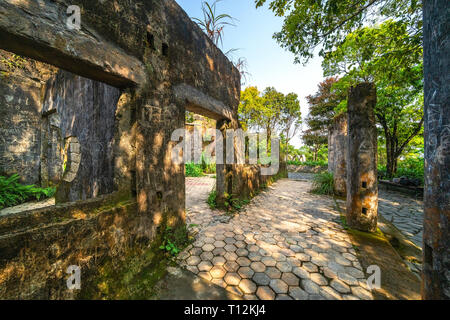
[13, 193]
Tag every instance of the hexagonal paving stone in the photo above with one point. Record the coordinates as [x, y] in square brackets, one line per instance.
[273, 273]
[254, 256]
[193, 260]
[253, 248]
[283, 297]
[319, 279]
[231, 266]
[284, 267]
[218, 261]
[219, 237]
[310, 287]
[279, 257]
[361, 293]
[234, 290]
[243, 262]
[230, 240]
[196, 251]
[207, 256]
[219, 244]
[192, 269]
[339, 286]
[232, 279]
[269, 261]
[247, 286]
[310, 267]
[205, 275]
[298, 294]
[329, 293]
[241, 252]
[229, 234]
[209, 240]
[246, 272]
[219, 282]
[230, 248]
[258, 266]
[290, 278]
[205, 266]
[208, 247]
[217, 272]
[279, 286]
[230, 256]
[261, 279]
[265, 293]
[219, 251]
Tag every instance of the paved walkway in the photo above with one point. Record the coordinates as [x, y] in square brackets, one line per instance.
[287, 244]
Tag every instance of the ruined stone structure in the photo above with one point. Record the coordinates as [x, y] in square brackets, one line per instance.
[362, 184]
[436, 248]
[337, 154]
[131, 72]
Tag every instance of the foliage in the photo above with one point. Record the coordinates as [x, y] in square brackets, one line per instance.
[412, 168]
[212, 197]
[323, 183]
[213, 24]
[208, 167]
[13, 193]
[194, 170]
[271, 111]
[312, 24]
[372, 54]
[322, 110]
[174, 240]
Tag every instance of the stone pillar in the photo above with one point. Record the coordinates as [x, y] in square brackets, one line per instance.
[337, 149]
[223, 171]
[436, 247]
[362, 186]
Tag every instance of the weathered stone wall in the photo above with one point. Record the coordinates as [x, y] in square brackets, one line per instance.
[436, 249]
[337, 154]
[79, 117]
[21, 83]
[37, 247]
[362, 183]
[165, 64]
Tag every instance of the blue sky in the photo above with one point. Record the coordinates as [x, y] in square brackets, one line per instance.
[268, 63]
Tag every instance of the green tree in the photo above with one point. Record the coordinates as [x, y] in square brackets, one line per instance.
[372, 54]
[271, 111]
[313, 24]
[323, 107]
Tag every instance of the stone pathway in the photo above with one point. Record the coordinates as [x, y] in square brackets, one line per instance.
[27, 207]
[404, 212]
[287, 244]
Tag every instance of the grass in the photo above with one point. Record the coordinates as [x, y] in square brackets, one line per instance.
[13, 193]
[323, 184]
[308, 163]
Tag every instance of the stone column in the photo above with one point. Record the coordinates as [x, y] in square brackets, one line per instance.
[337, 140]
[362, 186]
[436, 247]
[223, 171]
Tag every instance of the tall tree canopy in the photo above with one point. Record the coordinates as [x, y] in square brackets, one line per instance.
[271, 111]
[323, 106]
[312, 24]
[371, 54]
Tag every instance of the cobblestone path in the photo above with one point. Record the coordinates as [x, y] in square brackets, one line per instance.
[287, 244]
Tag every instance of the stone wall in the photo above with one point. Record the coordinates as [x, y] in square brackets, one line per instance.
[21, 84]
[337, 154]
[436, 249]
[78, 136]
[362, 183]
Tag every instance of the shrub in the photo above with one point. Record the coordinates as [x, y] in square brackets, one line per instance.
[13, 193]
[212, 199]
[194, 170]
[323, 183]
[174, 240]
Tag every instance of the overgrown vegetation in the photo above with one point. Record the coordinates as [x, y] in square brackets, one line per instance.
[13, 193]
[412, 168]
[174, 240]
[212, 199]
[194, 170]
[323, 184]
